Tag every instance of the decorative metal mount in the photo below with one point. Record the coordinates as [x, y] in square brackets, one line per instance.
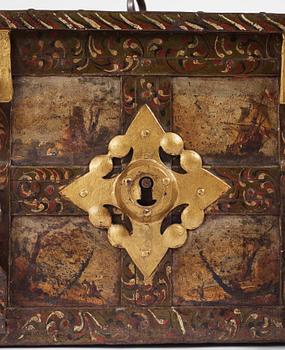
[6, 86]
[131, 5]
[146, 190]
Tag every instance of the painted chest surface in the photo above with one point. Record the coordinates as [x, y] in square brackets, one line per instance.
[200, 259]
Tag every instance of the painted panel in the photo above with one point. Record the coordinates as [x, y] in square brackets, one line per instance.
[154, 91]
[181, 54]
[135, 291]
[62, 261]
[63, 120]
[4, 190]
[141, 21]
[228, 121]
[229, 260]
[141, 325]
[253, 191]
[3, 301]
[35, 191]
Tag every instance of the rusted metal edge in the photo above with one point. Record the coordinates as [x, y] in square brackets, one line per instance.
[150, 21]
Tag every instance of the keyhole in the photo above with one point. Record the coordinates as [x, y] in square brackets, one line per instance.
[146, 185]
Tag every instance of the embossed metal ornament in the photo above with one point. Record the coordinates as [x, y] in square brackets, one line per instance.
[146, 190]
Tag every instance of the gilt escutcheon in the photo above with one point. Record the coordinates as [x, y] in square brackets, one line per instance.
[146, 191]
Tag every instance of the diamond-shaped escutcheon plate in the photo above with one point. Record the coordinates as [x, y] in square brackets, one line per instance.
[146, 191]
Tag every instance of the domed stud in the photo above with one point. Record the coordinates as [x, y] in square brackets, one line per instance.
[190, 160]
[192, 217]
[103, 165]
[117, 234]
[100, 217]
[172, 143]
[174, 236]
[119, 146]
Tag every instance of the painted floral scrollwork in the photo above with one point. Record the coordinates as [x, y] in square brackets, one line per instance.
[37, 190]
[151, 53]
[253, 189]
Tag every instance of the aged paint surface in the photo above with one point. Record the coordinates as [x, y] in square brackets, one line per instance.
[154, 91]
[145, 325]
[62, 261]
[282, 136]
[134, 289]
[36, 190]
[52, 252]
[150, 21]
[253, 191]
[282, 190]
[4, 131]
[3, 301]
[229, 260]
[228, 120]
[4, 184]
[4, 210]
[4, 214]
[82, 118]
[147, 54]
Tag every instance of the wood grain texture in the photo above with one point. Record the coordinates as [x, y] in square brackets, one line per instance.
[228, 121]
[62, 261]
[82, 118]
[229, 260]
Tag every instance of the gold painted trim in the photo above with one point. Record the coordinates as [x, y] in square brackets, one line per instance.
[6, 85]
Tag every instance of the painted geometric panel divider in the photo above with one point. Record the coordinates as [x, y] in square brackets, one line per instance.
[211, 78]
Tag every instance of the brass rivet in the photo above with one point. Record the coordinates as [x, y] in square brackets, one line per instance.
[145, 133]
[166, 181]
[201, 191]
[127, 181]
[145, 252]
[83, 193]
[146, 212]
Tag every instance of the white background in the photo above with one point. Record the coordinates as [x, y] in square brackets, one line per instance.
[273, 6]
[152, 5]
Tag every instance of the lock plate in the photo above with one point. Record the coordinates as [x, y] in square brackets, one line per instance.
[146, 191]
[153, 179]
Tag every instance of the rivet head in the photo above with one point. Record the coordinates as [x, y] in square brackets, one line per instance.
[127, 181]
[146, 212]
[145, 252]
[145, 133]
[201, 192]
[83, 193]
[166, 181]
